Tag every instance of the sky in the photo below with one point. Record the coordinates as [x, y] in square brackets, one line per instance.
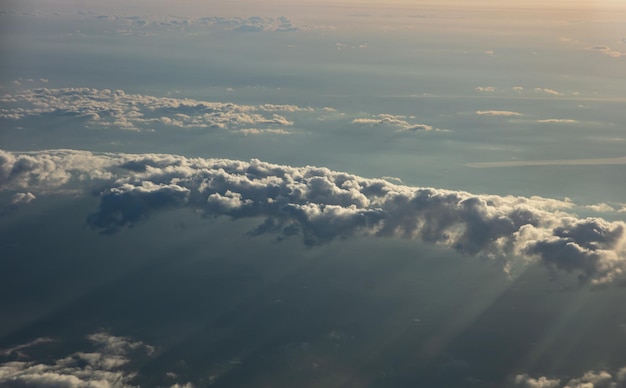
[314, 194]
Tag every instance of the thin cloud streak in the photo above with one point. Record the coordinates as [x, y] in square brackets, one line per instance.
[561, 162]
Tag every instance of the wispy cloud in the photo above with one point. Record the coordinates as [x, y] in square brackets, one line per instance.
[558, 121]
[497, 113]
[558, 162]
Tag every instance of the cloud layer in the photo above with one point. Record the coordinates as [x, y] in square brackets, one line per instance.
[118, 109]
[323, 205]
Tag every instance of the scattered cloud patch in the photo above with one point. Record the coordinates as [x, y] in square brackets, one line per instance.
[118, 109]
[590, 379]
[322, 205]
[105, 365]
[485, 89]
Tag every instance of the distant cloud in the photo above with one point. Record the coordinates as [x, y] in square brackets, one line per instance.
[256, 131]
[497, 113]
[118, 109]
[487, 89]
[323, 205]
[590, 379]
[607, 51]
[558, 121]
[556, 162]
[548, 91]
[104, 366]
[397, 121]
[518, 88]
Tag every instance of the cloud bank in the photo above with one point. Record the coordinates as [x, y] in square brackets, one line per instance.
[118, 109]
[322, 205]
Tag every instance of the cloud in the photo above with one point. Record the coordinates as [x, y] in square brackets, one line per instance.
[558, 121]
[556, 162]
[256, 131]
[398, 121]
[488, 89]
[525, 381]
[548, 91]
[118, 109]
[607, 51]
[507, 113]
[104, 366]
[591, 379]
[22, 198]
[321, 205]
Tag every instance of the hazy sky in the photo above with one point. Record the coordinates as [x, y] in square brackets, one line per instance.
[316, 194]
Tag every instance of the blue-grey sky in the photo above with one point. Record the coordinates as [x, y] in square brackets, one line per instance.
[319, 194]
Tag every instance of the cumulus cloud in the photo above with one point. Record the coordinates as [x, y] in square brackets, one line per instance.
[506, 113]
[396, 121]
[488, 89]
[118, 109]
[104, 366]
[322, 205]
[591, 379]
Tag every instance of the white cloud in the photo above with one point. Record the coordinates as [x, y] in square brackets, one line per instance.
[548, 91]
[590, 379]
[601, 208]
[103, 366]
[22, 198]
[322, 205]
[525, 381]
[487, 89]
[398, 121]
[118, 109]
[497, 113]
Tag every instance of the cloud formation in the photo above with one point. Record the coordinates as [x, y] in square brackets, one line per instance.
[118, 109]
[105, 366]
[395, 121]
[591, 379]
[322, 205]
[506, 113]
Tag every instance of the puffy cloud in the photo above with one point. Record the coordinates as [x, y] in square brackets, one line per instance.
[590, 379]
[22, 198]
[525, 381]
[488, 89]
[322, 205]
[398, 121]
[497, 113]
[104, 366]
[116, 108]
